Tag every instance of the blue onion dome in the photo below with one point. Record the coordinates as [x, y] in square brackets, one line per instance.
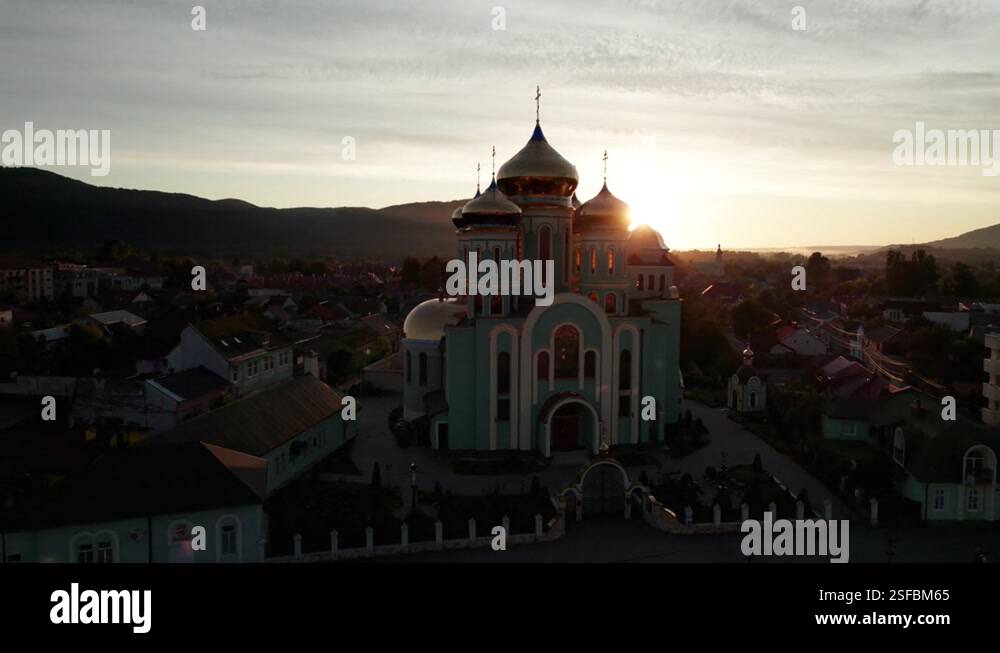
[490, 208]
[537, 170]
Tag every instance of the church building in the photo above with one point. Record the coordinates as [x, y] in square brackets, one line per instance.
[507, 373]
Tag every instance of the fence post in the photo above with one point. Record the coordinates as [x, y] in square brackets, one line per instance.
[538, 526]
[688, 515]
[404, 535]
[472, 529]
[334, 543]
[370, 539]
[716, 514]
[873, 504]
[297, 546]
[439, 534]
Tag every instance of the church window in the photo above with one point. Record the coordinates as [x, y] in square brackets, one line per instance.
[625, 370]
[579, 259]
[590, 364]
[503, 410]
[567, 352]
[503, 372]
[610, 303]
[423, 369]
[543, 365]
[544, 246]
[638, 282]
[611, 260]
[593, 260]
[624, 406]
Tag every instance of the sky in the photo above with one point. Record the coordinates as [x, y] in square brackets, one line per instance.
[723, 123]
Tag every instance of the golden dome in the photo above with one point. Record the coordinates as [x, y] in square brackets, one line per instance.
[537, 169]
[645, 237]
[428, 319]
[603, 210]
[491, 207]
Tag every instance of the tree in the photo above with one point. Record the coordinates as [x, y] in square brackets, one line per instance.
[411, 271]
[750, 316]
[432, 274]
[961, 281]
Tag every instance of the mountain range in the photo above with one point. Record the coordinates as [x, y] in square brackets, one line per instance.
[43, 211]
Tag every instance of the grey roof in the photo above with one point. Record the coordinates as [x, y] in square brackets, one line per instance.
[264, 421]
[193, 383]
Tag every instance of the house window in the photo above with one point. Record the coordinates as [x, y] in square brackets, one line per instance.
[234, 374]
[85, 553]
[567, 351]
[503, 372]
[252, 369]
[105, 552]
[228, 539]
[939, 498]
[610, 303]
[972, 500]
[423, 369]
[268, 363]
[638, 282]
[849, 429]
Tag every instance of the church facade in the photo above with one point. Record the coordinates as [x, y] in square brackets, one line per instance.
[507, 373]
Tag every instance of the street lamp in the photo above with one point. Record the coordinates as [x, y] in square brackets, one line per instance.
[413, 485]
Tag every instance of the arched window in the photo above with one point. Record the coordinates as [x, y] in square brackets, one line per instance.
[407, 364]
[542, 367]
[610, 303]
[663, 282]
[979, 465]
[423, 369]
[579, 259]
[567, 352]
[611, 260]
[590, 364]
[503, 372]
[652, 282]
[544, 247]
[593, 260]
[899, 446]
[625, 370]
[638, 282]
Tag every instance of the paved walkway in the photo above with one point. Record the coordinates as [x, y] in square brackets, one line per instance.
[740, 447]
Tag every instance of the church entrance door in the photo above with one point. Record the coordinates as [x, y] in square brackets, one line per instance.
[566, 428]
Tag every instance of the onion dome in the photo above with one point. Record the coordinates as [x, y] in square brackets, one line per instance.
[574, 201]
[456, 215]
[428, 319]
[645, 237]
[603, 210]
[537, 169]
[491, 207]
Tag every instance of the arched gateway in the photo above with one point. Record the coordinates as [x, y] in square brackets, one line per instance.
[603, 488]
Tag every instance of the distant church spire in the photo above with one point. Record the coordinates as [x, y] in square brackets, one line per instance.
[605, 159]
[538, 104]
[493, 165]
[477, 178]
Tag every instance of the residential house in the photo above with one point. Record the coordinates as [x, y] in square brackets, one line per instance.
[292, 426]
